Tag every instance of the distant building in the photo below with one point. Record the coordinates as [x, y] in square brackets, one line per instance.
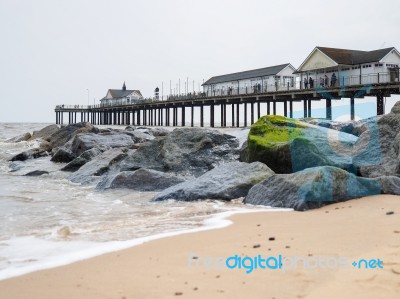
[121, 97]
[271, 78]
[341, 67]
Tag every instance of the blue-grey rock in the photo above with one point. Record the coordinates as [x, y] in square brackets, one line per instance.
[22, 137]
[63, 155]
[140, 180]
[98, 166]
[84, 142]
[225, 182]
[85, 157]
[311, 188]
[185, 151]
[36, 173]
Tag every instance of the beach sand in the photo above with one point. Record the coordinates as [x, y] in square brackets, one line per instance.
[160, 269]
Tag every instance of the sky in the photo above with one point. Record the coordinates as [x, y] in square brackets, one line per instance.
[68, 52]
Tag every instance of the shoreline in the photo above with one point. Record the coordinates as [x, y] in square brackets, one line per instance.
[359, 228]
[96, 249]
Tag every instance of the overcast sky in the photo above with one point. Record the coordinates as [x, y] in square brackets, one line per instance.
[53, 51]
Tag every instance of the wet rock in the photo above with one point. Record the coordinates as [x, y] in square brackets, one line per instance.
[287, 145]
[389, 184]
[63, 155]
[84, 142]
[311, 188]
[376, 152]
[186, 151]
[45, 133]
[36, 173]
[66, 133]
[226, 182]
[85, 157]
[140, 180]
[138, 136]
[23, 137]
[98, 166]
[30, 154]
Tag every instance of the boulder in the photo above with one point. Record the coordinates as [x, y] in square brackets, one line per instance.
[140, 180]
[98, 166]
[288, 145]
[66, 133]
[138, 136]
[84, 142]
[225, 182]
[45, 133]
[389, 184]
[31, 154]
[186, 151]
[85, 157]
[376, 152]
[36, 173]
[63, 155]
[311, 188]
[22, 137]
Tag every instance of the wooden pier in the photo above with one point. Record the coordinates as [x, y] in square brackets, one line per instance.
[165, 113]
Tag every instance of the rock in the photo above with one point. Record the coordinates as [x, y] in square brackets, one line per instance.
[85, 157]
[389, 184]
[187, 151]
[63, 155]
[23, 137]
[376, 152]
[140, 180]
[97, 166]
[288, 145]
[138, 136]
[66, 133]
[36, 173]
[30, 154]
[311, 188]
[84, 142]
[158, 132]
[45, 133]
[225, 182]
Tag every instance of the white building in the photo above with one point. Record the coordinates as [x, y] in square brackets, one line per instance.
[330, 67]
[121, 97]
[274, 78]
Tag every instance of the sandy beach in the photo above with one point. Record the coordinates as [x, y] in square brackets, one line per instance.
[177, 267]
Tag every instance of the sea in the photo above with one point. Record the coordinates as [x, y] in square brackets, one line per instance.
[48, 221]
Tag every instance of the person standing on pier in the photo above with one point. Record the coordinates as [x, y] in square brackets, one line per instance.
[333, 79]
[305, 83]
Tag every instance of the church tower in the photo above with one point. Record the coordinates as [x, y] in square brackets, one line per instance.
[124, 86]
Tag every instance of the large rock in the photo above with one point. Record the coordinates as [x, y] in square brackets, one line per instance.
[140, 180]
[85, 157]
[31, 154]
[389, 184]
[139, 136]
[186, 151]
[311, 188]
[22, 137]
[98, 166]
[84, 142]
[66, 133]
[287, 145]
[225, 182]
[63, 155]
[46, 132]
[36, 173]
[377, 153]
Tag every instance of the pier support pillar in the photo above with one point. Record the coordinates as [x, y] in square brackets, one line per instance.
[309, 108]
[274, 107]
[183, 116]
[329, 109]
[192, 116]
[291, 108]
[245, 115]
[305, 108]
[285, 108]
[268, 108]
[222, 115]
[233, 115]
[352, 108]
[237, 114]
[201, 115]
[252, 113]
[258, 110]
[212, 115]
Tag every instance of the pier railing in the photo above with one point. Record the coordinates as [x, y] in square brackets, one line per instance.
[341, 81]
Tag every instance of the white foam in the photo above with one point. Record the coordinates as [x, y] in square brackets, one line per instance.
[29, 254]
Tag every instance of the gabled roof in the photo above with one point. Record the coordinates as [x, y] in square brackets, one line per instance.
[267, 71]
[120, 93]
[351, 57]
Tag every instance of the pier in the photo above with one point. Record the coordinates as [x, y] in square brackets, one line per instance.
[165, 112]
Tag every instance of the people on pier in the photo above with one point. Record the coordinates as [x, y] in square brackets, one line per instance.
[326, 81]
[333, 79]
[311, 82]
[321, 81]
[306, 83]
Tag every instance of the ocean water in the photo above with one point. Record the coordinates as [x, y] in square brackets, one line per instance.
[48, 221]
